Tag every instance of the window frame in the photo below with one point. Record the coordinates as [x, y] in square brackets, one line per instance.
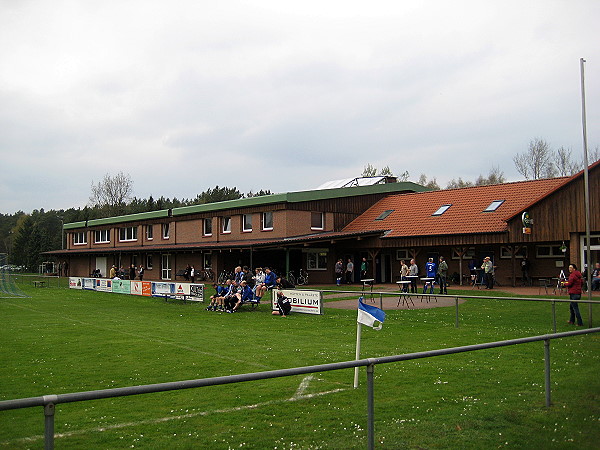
[206, 224]
[263, 221]
[149, 232]
[226, 225]
[124, 235]
[319, 258]
[246, 220]
[102, 236]
[166, 230]
[321, 215]
[442, 209]
[79, 238]
[492, 207]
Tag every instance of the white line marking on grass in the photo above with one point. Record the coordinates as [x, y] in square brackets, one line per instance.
[117, 426]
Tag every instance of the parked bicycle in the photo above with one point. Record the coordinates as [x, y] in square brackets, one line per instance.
[291, 278]
[302, 278]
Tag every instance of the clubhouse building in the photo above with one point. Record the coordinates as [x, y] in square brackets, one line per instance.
[379, 219]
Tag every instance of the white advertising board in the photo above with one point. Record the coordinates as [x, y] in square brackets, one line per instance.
[305, 302]
[75, 283]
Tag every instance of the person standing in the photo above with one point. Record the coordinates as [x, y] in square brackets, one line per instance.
[431, 272]
[525, 272]
[364, 268]
[132, 272]
[349, 271]
[339, 271]
[442, 275]
[192, 273]
[141, 273]
[488, 272]
[596, 278]
[574, 284]
[404, 271]
[413, 272]
[113, 272]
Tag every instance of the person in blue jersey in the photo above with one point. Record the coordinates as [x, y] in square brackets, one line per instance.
[430, 272]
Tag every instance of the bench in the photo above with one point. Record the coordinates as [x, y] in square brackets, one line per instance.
[185, 297]
[39, 283]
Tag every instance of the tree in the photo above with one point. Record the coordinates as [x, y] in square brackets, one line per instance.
[565, 166]
[496, 176]
[369, 171]
[459, 184]
[431, 184]
[536, 162]
[112, 194]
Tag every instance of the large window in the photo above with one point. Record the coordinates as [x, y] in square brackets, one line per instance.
[247, 222]
[165, 230]
[79, 238]
[226, 222]
[165, 267]
[149, 262]
[316, 260]
[317, 221]
[548, 251]
[101, 236]
[267, 221]
[207, 227]
[507, 252]
[128, 234]
[149, 232]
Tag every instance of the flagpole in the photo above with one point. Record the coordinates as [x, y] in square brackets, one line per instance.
[358, 331]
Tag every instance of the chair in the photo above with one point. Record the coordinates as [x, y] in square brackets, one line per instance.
[543, 283]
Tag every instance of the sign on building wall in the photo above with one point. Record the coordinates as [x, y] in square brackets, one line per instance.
[305, 302]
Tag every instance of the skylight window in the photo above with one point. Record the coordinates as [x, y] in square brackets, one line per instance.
[493, 206]
[441, 210]
[384, 214]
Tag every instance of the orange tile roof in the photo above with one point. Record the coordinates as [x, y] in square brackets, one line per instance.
[412, 213]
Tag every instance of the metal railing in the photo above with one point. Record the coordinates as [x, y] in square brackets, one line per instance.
[48, 402]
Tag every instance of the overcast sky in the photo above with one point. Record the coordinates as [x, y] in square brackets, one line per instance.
[283, 95]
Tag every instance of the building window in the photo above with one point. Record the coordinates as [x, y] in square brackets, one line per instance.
[469, 253]
[101, 236]
[149, 262]
[317, 221]
[441, 210]
[226, 224]
[506, 252]
[548, 251]
[128, 234]
[402, 253]
[79, 238]
[316, 260]
[247, 222]
[267, 221]
[165, 230]
[493, 206]
[384, 214]
[207, 227]
[149, 232]
[165, 267]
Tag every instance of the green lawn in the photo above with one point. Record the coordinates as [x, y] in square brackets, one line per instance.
[59, 341]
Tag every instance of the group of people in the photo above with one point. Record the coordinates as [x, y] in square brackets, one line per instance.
[345, 272]
[436, 272]
[121, 273]
[244, 287]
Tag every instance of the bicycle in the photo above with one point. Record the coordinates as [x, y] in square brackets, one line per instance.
[302, 278]
[291, 278]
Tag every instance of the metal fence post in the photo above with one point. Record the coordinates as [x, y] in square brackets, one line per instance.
[49, 410]
[456, 320]
[547, 370]
[370, 408]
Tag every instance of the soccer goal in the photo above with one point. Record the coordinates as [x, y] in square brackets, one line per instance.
[8, 287]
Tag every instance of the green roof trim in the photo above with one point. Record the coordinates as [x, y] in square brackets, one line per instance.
[290, 197]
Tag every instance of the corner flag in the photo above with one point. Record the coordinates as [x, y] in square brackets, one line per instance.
[368, 315]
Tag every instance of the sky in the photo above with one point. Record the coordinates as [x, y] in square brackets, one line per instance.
[185, 95]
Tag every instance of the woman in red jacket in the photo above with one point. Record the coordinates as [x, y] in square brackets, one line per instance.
[574, 284]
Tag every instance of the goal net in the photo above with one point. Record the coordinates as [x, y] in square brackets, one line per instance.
[8, 287]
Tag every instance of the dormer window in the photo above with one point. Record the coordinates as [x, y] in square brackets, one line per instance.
[493, 206]
[441, 210]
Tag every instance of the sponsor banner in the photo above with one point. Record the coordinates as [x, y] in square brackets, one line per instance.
[103, 285]
[89, 283]
[197, 291]
[162, 289]
[147, 288]
[306, 302]
[182, 288]
[135, 287]
[75, 282]
[121, 286]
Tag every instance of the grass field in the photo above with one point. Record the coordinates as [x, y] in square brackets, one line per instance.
[60, 341]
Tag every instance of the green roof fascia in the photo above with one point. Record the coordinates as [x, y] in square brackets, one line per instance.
[302, 196]
[290, 197]
[118, 219]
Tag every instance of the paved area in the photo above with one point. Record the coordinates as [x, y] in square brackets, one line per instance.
[420, 301]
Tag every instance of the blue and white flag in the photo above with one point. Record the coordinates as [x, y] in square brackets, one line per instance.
[368, 315]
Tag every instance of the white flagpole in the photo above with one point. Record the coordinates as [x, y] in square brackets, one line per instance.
[358, 330]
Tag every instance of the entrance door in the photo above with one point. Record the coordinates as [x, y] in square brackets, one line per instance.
[101, 264]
